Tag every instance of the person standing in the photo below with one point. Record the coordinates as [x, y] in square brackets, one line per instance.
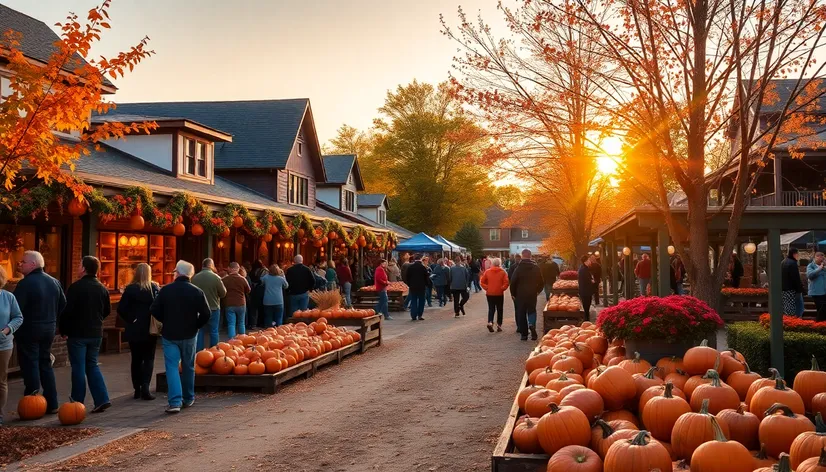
[345, 278]
[791, 284]
[330, 275]
[405, 265]
[643, 273]
[475, 274]
[585, 279]
[514, 261]
[428, 296]
[525, 285]
[87, 305]
[495, 282]
[236, 300]
[394, 273]
[441, 279]
[735, 269]
[418, 279]
[10, 319]
[550, 272]
[381, 282]
[213, 287]
[40, 298]
[300, 280]
[274, 284]
[459, 281]
[183, 309]
[817, 284]
[256, 297]
[679, 274]
[596, 272]
[133, 309]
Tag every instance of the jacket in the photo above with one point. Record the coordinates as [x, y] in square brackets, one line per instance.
[440, 275]
[596, 271]
[212, 286]
[585, 278]
[394, 274]
[526, 282]
[10, 317]
[274, 286]
[237, 289]
[816, 276]
[41, 299]
[133, 309]
[418, 277]
[330, 275]
[182, 308]
[550, 272]
[345, 275]
[459, 277]
[790, 276]
[475, 267]
[380, 279]
[87, 305]
[405, 266]
[300, 279]
[512, 269]
[495, 281]
[643, 269]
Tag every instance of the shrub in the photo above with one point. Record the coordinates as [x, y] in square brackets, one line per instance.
[752, 339]
[568, 275]
[671, 319]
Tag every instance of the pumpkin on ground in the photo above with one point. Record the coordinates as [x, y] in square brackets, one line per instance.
[731, 361]
[699, 359]
[563, 426]
[644, 381]
[814, 464]
[742, 425]
[783, 465]
[621, 415]
[587, 401]
[640, 454]
[669, 365]
[523, 395]
[615, 385]
[678, 378]
[719, 395]
[71, 413]
[764, 398]
[635, 365]
[808, 383]
[656, 392]
[721, 455]
[662, 412]
[780, 427]
[603, 435]
[693, 429]
[525, 438]
[574, 459]
[808, 444]
[31, 407]
[741, 380]
[762, 459]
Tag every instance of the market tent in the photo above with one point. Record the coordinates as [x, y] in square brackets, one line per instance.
[422, 243]
[453, 246]
[788, 238]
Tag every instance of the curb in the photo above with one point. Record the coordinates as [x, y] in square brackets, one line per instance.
[70, 451]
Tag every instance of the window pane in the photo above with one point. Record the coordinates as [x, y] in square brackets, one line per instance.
[202, 167]
[190, 165]
[190, 147]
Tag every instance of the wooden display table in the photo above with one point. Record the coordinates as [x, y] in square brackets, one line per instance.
[571, 292]
[743, 307]
[558, 319]
[505, 458]
[366, 299]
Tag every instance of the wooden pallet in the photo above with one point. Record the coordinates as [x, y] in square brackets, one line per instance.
[505, 458]
[364, 300]
[369, 328]
[558, 319]
[267, 383]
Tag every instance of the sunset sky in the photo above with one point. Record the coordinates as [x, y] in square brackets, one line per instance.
[342, 54]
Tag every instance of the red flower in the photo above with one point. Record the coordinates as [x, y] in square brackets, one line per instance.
[24, 191]
[647, 321]
[637, 329]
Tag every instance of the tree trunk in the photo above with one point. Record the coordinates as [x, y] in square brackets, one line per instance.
[703, 285]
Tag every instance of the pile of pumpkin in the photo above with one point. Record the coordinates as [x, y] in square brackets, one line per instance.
[273, 349]
[592, 408]
[562, 284]
[334, 313]
[563, 303]
[33, 407]
[392, 287]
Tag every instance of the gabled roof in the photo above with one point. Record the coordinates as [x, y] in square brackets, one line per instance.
[338, 168]
[166, 122]
[355, 218]
[495, 216]
[372, 200]
[264, 131]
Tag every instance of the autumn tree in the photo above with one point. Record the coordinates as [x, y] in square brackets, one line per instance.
[468, 237]
[44, 116]
[509, 196]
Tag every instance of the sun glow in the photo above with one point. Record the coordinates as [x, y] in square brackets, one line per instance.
[610, 150]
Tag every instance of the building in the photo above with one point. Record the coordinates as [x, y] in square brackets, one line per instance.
[501, 238]
[374, 206]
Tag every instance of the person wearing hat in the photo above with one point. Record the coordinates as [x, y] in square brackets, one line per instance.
[380, 281]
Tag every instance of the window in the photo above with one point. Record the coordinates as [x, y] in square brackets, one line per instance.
[524, 234]
[189, 156]
[200, 158]
[494, 234]
[349, 201]
[298, 190]
[300, 146]
[196, 156]
[382, 217]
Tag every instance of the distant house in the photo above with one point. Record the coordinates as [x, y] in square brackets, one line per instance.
[343, 183]
[501, 239]
[374, 206]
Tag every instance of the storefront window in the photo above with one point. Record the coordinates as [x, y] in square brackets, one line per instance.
[9, 260]
[221, 252]
[120, 253]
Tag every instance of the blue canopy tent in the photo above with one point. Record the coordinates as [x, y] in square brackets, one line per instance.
[422, 243]
[453, 246]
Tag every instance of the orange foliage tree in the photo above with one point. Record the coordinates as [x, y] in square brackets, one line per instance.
[44, 119]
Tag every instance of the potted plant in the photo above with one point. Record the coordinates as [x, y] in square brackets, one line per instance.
[658, 327]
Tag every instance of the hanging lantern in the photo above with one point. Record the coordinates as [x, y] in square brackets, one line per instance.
[750, 247]
[133, 241]
[136, 223]
[671, 250]
[142, 241]
[225, 233]
[267, 238]
[343, 245]
[273, 229]
[262, 247]
[123, 241]
[237, 221]
[596, 253]
[332, 235]
[278, 245]
[626, 250]
[76, 207]
[361, 240]
[317, 243]
[221, 244]
[325, 240]
[197, 229]
[179, 229]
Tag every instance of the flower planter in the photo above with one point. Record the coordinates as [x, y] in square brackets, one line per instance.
[654, 350]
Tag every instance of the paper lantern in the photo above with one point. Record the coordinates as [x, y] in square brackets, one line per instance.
[179, 229]
[267, 238]
[332, 236]
[750, 247]
[273, 229]
[626, 250]
[671, 250]
[596, 253]
[300, 232]
[142, 241]
[278, 245]
[197, 229]
[136, 223]
[220, 244]
[76, 207]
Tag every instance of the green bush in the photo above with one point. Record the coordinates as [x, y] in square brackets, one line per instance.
[752, 340]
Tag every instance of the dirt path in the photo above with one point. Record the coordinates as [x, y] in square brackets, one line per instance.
[433, 397]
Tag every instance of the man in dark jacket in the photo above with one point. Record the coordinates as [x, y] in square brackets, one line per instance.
[301, 280]
[405, 265]
[525, 286]
[87, 304]
[418, 279]
[791, 283]
[514, 261]
[585, 278]
[596, 272]
[183, 310]
[550, 272]
[41, 300]
[475, 274]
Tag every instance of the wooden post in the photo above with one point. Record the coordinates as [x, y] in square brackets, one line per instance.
[614, 272]
[90, 235]
[606, 259]
[664, 261]
[655, 277]
[778, 181]
[775, 258]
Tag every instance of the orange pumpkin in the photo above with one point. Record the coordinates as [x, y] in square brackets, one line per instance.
[693, 429]
[635, 365]
[809, 383]
[741, 380]
[539, 402]
[721, 455]
[71, 413]
[769, 381]
[240, 369]
[76, 207]
[780, 427]
[204, 358]
[574, 459]
[808, 444]
[585, 400]
[662, 412]
[742, 425]
[699, 359]
[765, 397]
[641, 454]
[615, 385]
[256, 368]
[223, 366]
[814, 464]
[719, 395]
[31, 407]
[563, 426]
[668, 365]
[524, 436]
[604, 434]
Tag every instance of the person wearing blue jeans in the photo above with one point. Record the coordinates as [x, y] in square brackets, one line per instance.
[273, 315]
[180, 386]
[83, 355]
[300, 280]
[417, 301]
[236, 320]
[212, 328]
[299, 302]
[214, 290]
[236, 299]
[274, 285]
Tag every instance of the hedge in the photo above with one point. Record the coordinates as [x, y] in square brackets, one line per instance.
[752, 339]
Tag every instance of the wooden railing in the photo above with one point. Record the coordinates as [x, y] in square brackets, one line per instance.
[763, 200]
[804, 198]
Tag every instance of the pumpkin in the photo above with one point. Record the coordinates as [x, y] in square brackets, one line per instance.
[678, 378]
[539, 402]
[655, 392]
[814, 464]
[136, 222]
[566, 363]
[742, 426]
[240, 369]
[604, 434]
[71, 413]
[563, 426]
[525, 393]
[539, 360]
[780, 427]
[761, 459]
[808, 444]
[699, 359]
[615, 385]
[819, 403]
[536, 373]
[692, 429]
[731, 361]
[204, 358]
[644, 381]
[574, 459]
[76, 207]
[635, 365]
[272, 365]
[201, 370]
[584, 353]
[807, 384]
[720, 396]
[640, 454]
[31, 407]
[680, 466]
[721, 455]
[693, 382]
[662, 412]
[763, 382]
[621, 415]
[784, 465]
[587, 401]
[598, 344]
[614, 352]
[524, 436]
[768, 396]
[570, 389]
[256, 368]
[179, 229]
[561, 382]
[669, 365]
[741, 380]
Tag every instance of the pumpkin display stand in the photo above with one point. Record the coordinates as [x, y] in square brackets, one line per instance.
[369, 328]
[573, 292]
[505, 458]
[366, 299]
[560, 311]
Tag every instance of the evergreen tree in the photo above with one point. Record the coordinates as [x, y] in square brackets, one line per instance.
[469, 237]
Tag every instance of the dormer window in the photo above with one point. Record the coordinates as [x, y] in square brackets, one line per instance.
[524, 234]
[382, 217]
[196, 157]
[349, 201]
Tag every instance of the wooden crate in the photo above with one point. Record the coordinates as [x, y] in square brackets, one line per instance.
[267, 383]
[571, 292]
[505, 458]
[364, 300]
[558, 319]
[369, 328]
[743, 307]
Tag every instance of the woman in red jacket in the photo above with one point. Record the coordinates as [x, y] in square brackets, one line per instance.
[381, 283]
[495, 282]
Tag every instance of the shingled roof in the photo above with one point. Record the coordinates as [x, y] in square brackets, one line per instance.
[338, 167]
[263, 131]
[371, 200]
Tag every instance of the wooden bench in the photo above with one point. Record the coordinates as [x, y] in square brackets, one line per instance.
[113, 339]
